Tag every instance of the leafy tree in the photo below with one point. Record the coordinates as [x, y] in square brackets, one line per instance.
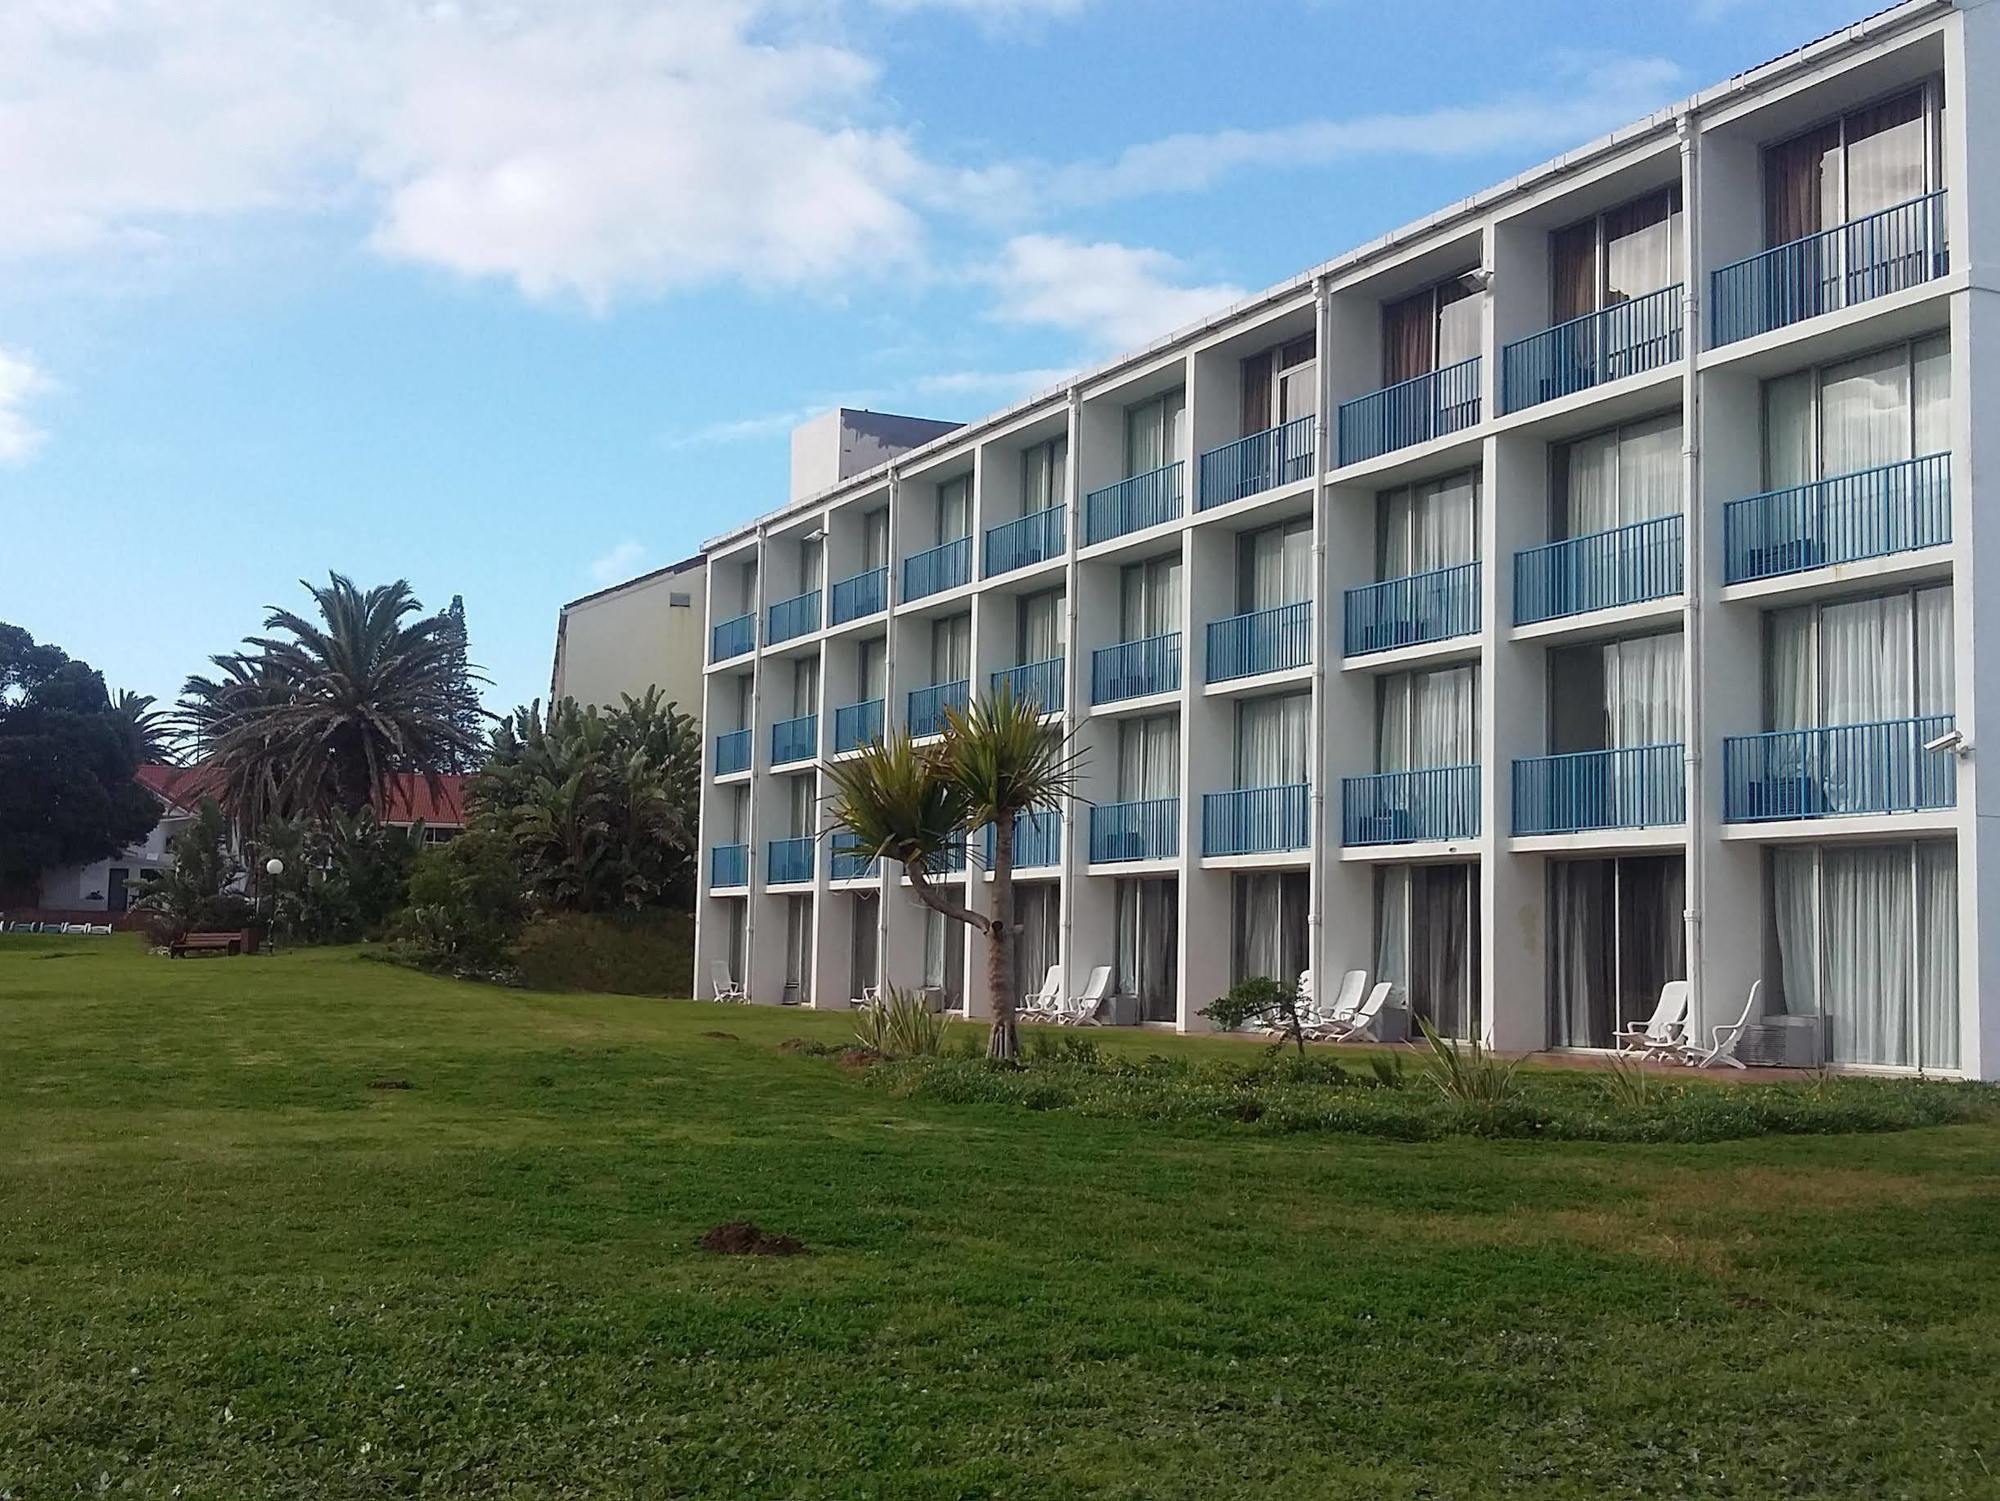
[599, 805]
[466, 904]
[67, 794]
[315, 716]
[1260, 999]
[197, 892]
[995, 761]
[343, 879]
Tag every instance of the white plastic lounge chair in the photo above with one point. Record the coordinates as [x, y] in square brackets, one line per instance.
[1082, 1010]
[871, 995]
[1042, 1005]
[98, 929]
[1345, 1003]
[1721, 1047]
[1664, 1032]
[724, 988]
[1360, 1022]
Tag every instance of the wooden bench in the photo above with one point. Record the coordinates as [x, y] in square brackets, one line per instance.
[210, 943]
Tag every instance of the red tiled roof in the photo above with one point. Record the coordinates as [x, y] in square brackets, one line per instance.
[409, 797]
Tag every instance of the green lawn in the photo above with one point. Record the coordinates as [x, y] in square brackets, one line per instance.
[229, 1267]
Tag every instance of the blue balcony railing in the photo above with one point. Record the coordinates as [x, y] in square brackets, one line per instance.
[948, 860]
[1263, 461]
[943, 567]
[728, 866]
[1037, 840]
[1623, 566]
[1835, 770]
[927, 706]
[1026, 540]
[864, 594]
[732, 753]
[1133, 504]
[1412, 610]
[732, 638]
[1851, 263]
[856, 725]
[1639, 787]
[795, 739]
[1403, 807]
[1257, 820]
[1270, 640]
[793, 617]
[1413, 411]
[1134, 669]
[1890, 509]
[849, 861]
[1038, 683]
[1609, 344]
[790, 861]
[1136, 831]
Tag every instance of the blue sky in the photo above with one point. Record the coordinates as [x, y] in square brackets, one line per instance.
[514, 298]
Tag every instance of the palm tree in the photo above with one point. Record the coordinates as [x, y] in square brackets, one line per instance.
[150, 730]
[225, 722]
[361, 692]
[995, 761]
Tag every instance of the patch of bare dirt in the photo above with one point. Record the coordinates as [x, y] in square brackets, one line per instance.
[748, 1238]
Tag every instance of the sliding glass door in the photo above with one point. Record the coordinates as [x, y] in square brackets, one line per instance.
[1268, 924]
[864, 944]
[1037, 932]
[1616, 936]
[1148, 946]
[1427, 944]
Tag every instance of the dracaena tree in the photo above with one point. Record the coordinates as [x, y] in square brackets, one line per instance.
[995, 761]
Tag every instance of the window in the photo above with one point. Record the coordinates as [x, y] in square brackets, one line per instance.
[1149, 598]
[1148, 944]
[1039, 627]
[1859, 661]
[1270, 402]
[1612, 479]
[1846, 169]
[1427, 943]
[798, 950]
[951, 649]
[801, 802]
[1617, 934]
[811, 555]
[871, 669]
[1616, 695]
[1149, 758]
[1436, 327]
[1271, 736]
[1274, 566]
[944, 955]
[954, 509]
[1427, 719]
[1037, 932]
[1617, 256]
[1044, 475]
[676, 600]
[736, 816]
[1153, 433]
[742, 695]
[1420, 528]
[1875, 409]
[875, 540]
[1268, 917]
[864, 942]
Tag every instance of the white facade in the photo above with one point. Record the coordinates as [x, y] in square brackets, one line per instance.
[649, 632]
[1579, 584]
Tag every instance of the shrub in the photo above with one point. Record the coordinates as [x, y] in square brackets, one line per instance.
[1467, 1072]
[901, 1025]
[193, 895]
[645, 952]
[1269, 1003]
[465, 908]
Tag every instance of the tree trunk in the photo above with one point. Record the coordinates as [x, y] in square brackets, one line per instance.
[1005, 1040]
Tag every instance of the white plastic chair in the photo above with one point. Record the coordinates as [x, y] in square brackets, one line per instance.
[1082, 1010]
[1722, 1043]
[1666, 1030]
[1042, 1005]
[1345, 1003]
[719, 981]
[1360, 1022]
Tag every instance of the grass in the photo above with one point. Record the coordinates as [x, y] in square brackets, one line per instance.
[230, 1267]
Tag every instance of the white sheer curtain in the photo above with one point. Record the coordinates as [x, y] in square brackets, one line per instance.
[1789, 419]
[1152, 434]
[954, 509]
[1937, 955]
[1613, 479]
[1936, 692]
[804, 807]
[1865, 411]
[1149, 601]
[1930, 391]
[1592, 490]
[1044, 475]
[1392, 930]
[1642, 690]
[1428, 719]
[1149, 758]
[871, 670]
[951, 649]
[1642, 246]
[875, 539]
[1257, 949]
[805, 686]
[1795, 913]
[798, 948]
[1868, 930]
[1274, 566]
[1885, 154]
[1041, 626]
[1148, 935]
[1791, 668]
[1424, 527]
[1866, 656]
[1271, 740]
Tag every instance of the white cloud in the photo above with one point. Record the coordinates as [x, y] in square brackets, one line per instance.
[620, 563]
[992, 10]
[594, 147]
[1115, 295]
[20, 382]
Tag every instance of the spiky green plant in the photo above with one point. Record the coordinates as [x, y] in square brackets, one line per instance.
[1468, 1072]
[901, 1025]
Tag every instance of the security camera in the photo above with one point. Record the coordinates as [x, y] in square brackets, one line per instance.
[1478, 279]
[1951, 740]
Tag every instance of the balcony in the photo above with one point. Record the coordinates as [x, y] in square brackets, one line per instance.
[1872, 514]
[1411, 412]
[1027, 540]
[790, 861]
[1037, 683]
[1404, 807]
[1836, 771]
[856, 725]
[1136, 669]
[728, 866]
[947, 861]
[928, 705]
[1272, 640]
[1624, 566]
[791, 618]
[732, 638]
[1037, 840]
[1134, 504]
[732, 753]
[1836, 268]
[1639, 787]
[1624, 339]
[943, 567]
[1413, 610]
[795, 739]
[1263, 461]
[848, 861]
[1257, 820]
[1136, 831]
[864, 594]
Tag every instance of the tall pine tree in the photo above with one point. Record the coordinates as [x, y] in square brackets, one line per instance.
[466, 712]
